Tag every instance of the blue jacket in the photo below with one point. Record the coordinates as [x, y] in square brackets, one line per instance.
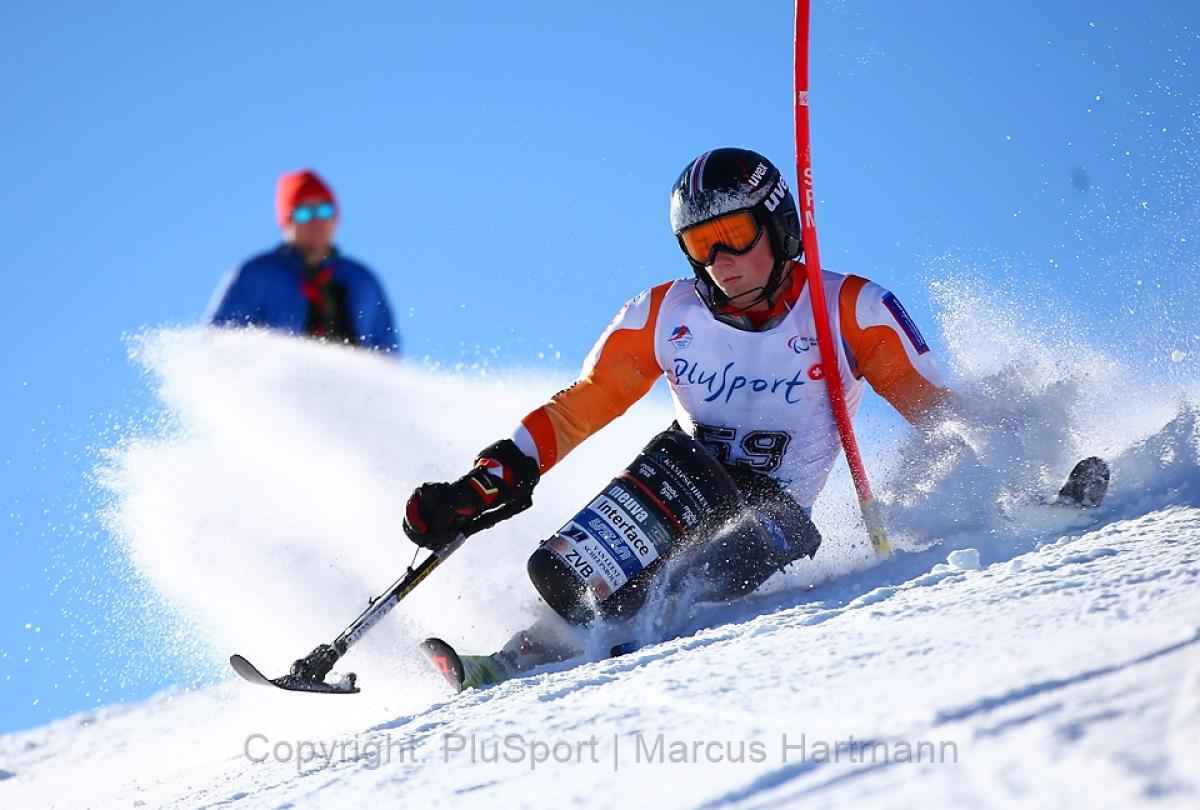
[270, 291]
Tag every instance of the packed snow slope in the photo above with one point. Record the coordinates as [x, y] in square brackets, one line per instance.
[1068, 676]
[1009, 653]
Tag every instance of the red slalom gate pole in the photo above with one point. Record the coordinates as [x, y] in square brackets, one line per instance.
[816, 292]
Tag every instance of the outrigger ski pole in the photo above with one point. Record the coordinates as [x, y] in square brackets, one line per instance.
[308, 673]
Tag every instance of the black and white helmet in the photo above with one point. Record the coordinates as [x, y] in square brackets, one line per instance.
[725, 180]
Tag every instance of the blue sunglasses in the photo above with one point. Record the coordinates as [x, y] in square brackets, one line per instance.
[307, 213]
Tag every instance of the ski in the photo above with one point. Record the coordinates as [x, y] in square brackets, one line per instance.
[475, 671]
[290, 682]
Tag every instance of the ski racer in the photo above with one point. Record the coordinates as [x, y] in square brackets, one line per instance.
[305, 286]
[737, 345]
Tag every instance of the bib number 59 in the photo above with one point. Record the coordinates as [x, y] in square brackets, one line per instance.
[760, 450]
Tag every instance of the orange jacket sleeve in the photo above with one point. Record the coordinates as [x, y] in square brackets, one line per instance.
[618, 372]
[886, 348]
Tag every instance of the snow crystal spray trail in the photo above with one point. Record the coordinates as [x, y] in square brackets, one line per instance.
[264, 504]
[1034, 400]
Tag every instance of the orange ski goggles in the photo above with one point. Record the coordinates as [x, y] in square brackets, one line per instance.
[736, 233]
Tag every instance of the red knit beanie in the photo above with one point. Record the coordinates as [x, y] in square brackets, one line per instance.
[296, 186]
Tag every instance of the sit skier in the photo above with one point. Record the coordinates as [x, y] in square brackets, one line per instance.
[754, 440]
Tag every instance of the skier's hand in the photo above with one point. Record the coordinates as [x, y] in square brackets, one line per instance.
[436, 512]
[500, 485]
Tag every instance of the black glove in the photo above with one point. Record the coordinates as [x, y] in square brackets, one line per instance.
[500, 485]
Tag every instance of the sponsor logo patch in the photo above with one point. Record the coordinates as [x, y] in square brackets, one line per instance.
[588, 559]
[626, 525]
[681, 337]
[608, 544]
[726, 384]
[906, 323]
[777, 195]
[801, 343]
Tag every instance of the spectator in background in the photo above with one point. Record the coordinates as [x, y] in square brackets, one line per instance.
[305, 286]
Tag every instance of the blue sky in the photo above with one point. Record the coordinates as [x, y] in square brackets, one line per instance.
[505, 169]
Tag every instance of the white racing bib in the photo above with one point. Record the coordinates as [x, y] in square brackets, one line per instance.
[756, 399]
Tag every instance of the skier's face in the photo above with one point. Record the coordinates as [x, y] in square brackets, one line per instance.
[743, 275]
[314, 236]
